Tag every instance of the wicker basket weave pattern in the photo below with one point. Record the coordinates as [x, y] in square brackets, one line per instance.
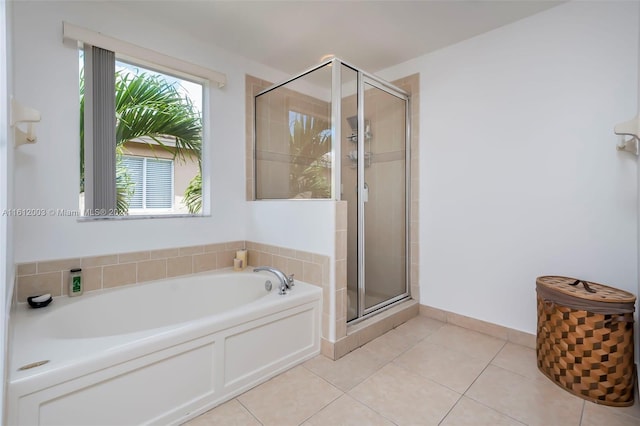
[589, 354]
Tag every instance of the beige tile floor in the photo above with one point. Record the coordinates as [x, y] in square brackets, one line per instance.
[422, 373]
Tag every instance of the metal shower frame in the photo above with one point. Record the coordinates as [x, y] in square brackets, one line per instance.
[336, 142]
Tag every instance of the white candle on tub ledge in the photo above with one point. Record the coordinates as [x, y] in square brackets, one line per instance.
[243, 256]
[237, 264]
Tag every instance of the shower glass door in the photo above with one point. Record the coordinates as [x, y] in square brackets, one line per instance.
[382, 197]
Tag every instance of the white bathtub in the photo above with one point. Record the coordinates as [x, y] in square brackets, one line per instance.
[160, 352]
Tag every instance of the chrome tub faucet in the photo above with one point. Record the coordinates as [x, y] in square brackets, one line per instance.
[286, 282]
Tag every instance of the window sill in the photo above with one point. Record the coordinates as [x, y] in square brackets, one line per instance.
[136, 217]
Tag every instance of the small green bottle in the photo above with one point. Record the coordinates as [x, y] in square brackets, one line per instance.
[75, 282]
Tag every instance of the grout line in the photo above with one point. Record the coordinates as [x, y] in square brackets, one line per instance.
[464, 394]
[505, 369]
[391, 361]
[384, 364]
[61, 283]
[372, 409]
[474, 380]
[455, 350]
[428, 379]
[320, 377]
[485, 368]
[581, 413]
[325, 406]
[347, 393]
[243, 406]
[450, 409]
[494, 409]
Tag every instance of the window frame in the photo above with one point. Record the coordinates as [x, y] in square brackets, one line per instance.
[155, 61]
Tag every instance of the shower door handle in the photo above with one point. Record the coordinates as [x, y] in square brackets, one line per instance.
[365, 192]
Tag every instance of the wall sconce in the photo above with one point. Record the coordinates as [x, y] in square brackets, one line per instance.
[21, 115]
[629, 128]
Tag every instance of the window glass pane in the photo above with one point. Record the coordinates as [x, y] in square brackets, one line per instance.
[133, 170]
[159, 188]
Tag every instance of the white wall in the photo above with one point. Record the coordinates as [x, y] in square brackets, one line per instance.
[6, 249]
[46, 173]
[307, 225]
[519, 172]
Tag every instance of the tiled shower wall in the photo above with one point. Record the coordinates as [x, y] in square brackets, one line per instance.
[113, 270]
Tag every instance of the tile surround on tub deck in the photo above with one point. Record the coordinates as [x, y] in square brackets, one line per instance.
[113, 270]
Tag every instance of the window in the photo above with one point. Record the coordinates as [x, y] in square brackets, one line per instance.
[142, 129]
[145, 112]
[149, 183]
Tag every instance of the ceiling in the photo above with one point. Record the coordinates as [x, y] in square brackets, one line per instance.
[292, 36]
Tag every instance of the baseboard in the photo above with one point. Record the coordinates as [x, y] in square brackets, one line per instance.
[499, 331]
[361, 333]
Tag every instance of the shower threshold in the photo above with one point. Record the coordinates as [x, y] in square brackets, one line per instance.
[386, 314]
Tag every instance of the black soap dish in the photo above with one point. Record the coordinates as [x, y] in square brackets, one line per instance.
[39, 301]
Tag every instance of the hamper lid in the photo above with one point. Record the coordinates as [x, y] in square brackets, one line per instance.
[600, 292]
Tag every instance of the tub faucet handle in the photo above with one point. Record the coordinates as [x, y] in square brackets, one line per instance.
[290, 280]
[282, 277]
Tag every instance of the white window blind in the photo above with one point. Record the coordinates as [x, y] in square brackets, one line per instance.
[100, 128]
[152, 181]
[158, 184]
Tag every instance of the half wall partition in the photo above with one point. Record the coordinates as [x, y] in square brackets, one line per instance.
[336, 132]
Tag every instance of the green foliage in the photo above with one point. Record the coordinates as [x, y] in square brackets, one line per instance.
[310, 145]
[193, 194]
[147, 106]
[125, 187]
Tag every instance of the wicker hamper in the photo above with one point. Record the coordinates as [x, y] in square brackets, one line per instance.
[585, 339]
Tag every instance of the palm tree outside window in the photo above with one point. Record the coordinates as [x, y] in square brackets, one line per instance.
[158, 128]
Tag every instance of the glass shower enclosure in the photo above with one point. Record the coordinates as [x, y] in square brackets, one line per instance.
[337, 132]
